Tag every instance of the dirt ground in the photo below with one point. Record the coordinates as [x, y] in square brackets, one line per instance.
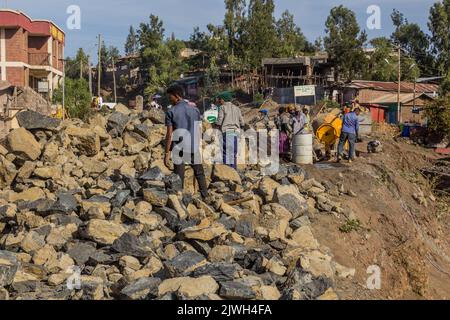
[407, 240]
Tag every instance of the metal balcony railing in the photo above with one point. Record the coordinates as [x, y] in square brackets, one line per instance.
[39, 59]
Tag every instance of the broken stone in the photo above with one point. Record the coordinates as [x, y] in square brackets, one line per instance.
[141, 289]
[8, 268]
[32, 120]
[226, 174]
[185, 263]
[236, 291]
[22, 143]
[104, 232]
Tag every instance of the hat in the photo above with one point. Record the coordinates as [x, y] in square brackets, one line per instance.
[226, 96]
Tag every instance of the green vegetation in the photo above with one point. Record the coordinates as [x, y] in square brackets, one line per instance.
[77, 98]
[350, 226]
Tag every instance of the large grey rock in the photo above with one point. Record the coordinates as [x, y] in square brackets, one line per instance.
[219, 271]
[236, 291]
[66, 203]
[154, 174]
[130, 245]
[185, 263]
[118, 121]
[32, 120]
[8, 268]
[141, 289]
[81, 252]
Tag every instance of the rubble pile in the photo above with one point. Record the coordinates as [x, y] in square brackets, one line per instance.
[89, 211]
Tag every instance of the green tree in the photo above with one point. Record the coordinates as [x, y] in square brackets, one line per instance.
[259, 36]
[438, 116]
[79, 63]
[383, 63]
[160, 58]
[413, 41]
[291, 39]
[132, 43]
[344, 43]
[77, 98]
[439, 25]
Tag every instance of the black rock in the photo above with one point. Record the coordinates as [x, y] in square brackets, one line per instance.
[43, 231]
[303, 282]
[236, 291]
[133, 185]
[219, 271]
[145, 288]
[26, 286]
[102, 257]
[41, 206]
[118, 121]
[173, 183]
[171, 216]
[154, 174]
[80, 252]
[32, 120]
[228, 222]
[245, 229]
[142, 130]
[121, 198]
[184, 263]
[187, 199]
[8, 268]
[66, 203]
[130, 245]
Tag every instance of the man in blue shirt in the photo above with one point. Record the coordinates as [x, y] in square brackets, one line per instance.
[184, 120]
[350, 133]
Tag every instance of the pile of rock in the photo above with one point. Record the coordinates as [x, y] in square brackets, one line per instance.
[89, 211]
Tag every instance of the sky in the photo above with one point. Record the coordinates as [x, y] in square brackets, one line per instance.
[112, 18]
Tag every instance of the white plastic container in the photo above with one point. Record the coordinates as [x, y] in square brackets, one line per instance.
[302, 149]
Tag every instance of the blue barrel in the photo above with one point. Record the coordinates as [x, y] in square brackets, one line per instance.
[406, 131]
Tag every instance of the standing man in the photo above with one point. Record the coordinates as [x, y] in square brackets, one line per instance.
[231, 121]
[184, 116]
[350, 133]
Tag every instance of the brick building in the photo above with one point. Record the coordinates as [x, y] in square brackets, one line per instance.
[31, 51]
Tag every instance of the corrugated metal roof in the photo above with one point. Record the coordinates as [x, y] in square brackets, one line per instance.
[407, 87]
[393, 98]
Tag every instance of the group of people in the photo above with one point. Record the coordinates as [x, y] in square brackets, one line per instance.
[290, 122]
[185, 115]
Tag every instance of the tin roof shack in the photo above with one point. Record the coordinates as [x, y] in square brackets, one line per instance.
[302, 70]
[284, 74]
[382, 99]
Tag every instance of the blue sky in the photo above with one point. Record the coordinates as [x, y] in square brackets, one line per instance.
[112, 18]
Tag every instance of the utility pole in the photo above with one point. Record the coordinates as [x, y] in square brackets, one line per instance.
[399, 85]
[99, 69]
[114, 79]
[90, 75]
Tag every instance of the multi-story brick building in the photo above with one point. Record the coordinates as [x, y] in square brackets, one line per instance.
[31, 51]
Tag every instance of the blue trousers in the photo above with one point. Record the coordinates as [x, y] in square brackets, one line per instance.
[351, 138]
[230, 149]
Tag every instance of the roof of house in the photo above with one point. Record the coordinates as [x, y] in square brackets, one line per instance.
[405, 87]
[305, 60]
[393, 98]
[15, 18]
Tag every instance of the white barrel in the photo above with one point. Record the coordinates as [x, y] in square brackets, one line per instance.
[302, 149]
